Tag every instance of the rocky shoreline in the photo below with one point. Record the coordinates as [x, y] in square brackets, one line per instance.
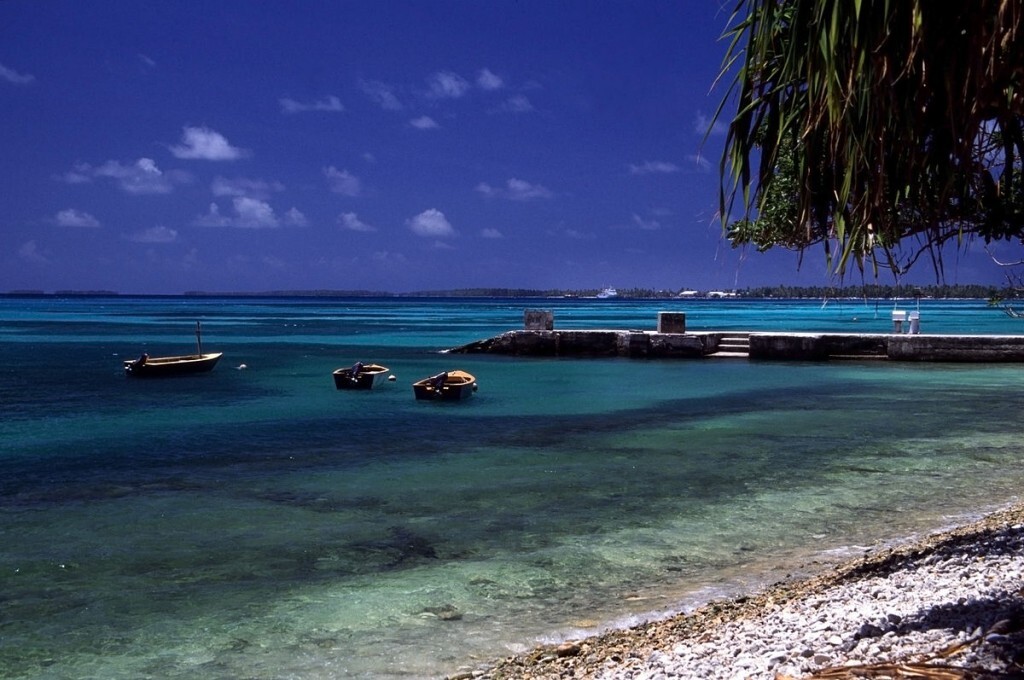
[950, 605]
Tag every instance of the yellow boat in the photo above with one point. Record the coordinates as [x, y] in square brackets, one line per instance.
[446, 386]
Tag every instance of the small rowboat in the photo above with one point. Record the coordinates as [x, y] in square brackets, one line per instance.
[447, 386]
[360, 376]
[158, 367]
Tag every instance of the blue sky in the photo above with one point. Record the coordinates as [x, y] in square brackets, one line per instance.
[159, 147]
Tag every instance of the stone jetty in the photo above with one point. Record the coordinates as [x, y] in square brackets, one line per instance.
[672, 341]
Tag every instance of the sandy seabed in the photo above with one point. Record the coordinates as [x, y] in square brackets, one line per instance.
[946, 606]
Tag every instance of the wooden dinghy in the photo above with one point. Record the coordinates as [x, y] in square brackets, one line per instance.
[447, 386]
[158, 367]
[360, 376]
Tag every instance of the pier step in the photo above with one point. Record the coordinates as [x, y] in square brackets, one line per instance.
[734, 345]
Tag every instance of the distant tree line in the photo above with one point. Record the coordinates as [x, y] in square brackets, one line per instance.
[487, 292]
[941, 291]
[875, 291]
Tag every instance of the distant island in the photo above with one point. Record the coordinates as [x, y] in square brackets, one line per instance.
[872, 291]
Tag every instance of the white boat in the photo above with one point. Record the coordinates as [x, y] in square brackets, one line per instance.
[607, 293]
[156, 367]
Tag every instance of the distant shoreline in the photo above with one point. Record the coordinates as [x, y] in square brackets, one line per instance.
[780, 292]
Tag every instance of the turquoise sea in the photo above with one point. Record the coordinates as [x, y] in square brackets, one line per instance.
[257, 523]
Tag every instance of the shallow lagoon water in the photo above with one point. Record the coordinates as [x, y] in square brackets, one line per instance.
[259, 523]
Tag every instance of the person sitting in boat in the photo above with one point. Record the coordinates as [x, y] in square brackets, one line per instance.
[439, 380]
[141, 361]
[356, 368]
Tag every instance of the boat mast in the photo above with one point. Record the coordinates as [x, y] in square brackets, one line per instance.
[199, 338]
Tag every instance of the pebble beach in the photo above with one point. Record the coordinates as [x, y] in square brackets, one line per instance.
[945, 606]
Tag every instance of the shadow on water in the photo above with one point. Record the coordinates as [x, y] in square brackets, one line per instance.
[171, 457]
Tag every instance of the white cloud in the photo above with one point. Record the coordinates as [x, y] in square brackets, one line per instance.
[423, 123]
[431, 222]
[249, 213]
[447, 85]
[254, 214]
[29, 252]
[486, 80]
[190, 259]
[515, 190]
[703, 125]
[578, 235]
[352, 222]
[158, 234]
[76, 218]
[381, 94]
[141, 177]
[274, 262]
[701, 162]
[343, 182]
[242, 186]
[517, 104]
[12, 76]
[646, 225]
[295, 218]
[523, 191]
[491, 233]
[213, 218]
[653, 167]
[202, 143]
[146, 61]
[331, 103]
[82, 173]
[388, 259]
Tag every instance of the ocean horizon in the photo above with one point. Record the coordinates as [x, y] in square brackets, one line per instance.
[256, 522]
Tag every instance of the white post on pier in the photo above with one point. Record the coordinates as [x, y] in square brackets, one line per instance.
[898, 317]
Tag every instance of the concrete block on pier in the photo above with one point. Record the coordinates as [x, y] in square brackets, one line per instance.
[671, 322]
[539, 320]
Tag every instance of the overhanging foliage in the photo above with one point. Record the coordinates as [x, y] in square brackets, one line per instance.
[867, 125]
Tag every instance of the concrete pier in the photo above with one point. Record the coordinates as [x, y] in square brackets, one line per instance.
[764, 346]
